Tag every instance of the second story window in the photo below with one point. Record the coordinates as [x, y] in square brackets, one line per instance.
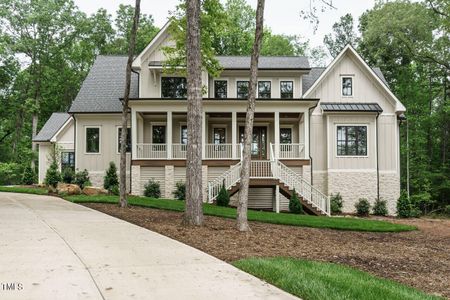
[92, 139]
[347, 86]
[264, 89]
[173, 87]
[285, 135]
[220, 89]
[286, 89]
[242, 89]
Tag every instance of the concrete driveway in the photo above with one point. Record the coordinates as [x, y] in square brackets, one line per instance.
[54, 249]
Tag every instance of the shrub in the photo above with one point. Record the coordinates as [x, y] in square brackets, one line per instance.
[180, 191]
[53, 176]
[152, 189]
[447, 210]
[362, 207]
[114, 190]
[10, 173]
[406, 209]
[82, 179]
[380, 207]
[223, 199]
[110, 180]
[68, 175]
[28, 176]
[294, 204]
[336, 203]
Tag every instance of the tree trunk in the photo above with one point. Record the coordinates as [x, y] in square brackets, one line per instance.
[242, 223]
[193, 214]
[123, 137]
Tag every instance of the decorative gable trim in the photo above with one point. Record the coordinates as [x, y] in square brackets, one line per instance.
[399, 107]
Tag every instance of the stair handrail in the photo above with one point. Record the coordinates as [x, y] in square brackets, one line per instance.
[228, 178]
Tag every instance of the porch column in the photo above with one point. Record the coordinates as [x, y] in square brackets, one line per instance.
[233, 135]
[277, 135]
[169, 135]
[306, 128]
[133, 133]
[204, 135]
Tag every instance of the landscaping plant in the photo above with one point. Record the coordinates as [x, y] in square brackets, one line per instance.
[152, 189]
[223, 199]
[406, 209]
[53, 176]
[110, 181]
[28, 176]
[180, 191]
[10, 173]
[68, 175]
[82, 179]
[362, 207]
[336, 203]
[294, 204]
[379, 207]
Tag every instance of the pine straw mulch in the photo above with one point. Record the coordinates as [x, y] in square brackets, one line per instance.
[418, 258]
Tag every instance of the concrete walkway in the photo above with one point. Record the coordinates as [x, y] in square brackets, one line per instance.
[54, 249]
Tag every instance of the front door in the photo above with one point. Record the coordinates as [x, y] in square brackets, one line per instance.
[259, 142]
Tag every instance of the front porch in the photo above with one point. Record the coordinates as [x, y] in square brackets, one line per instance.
[163, 136]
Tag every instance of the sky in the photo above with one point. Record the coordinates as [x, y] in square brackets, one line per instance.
[282, 16]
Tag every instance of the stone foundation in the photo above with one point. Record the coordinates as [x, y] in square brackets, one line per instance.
[390, 190]
[136, 180]
[169, 182]
[96, 178]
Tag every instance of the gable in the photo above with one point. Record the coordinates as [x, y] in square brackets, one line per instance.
[368, 84]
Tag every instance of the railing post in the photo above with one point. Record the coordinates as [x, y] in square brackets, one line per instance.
[277, 134]
[169, 135]
[306, 127]
[233, 134]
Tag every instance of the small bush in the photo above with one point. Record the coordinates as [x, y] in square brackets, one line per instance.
[53, 176]
[405, 208]
[180, 191]
[223, 199]
[152, 189]
[362, 207]
[114, 190]
[10, 173]
[110, 180]
[380, 207]
[82, 179]
[294, 204]
[447, 210]
[28, 176]
[68, 175]
[336, 203]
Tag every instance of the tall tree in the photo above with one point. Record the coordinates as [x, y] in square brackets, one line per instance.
[123, 137]
[343, 34]
[242, 222]
[193, 214]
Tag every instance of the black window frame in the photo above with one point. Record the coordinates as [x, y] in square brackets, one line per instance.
[352, 146]
[88, 143]
[119, 132]
[222, 139]
[70, 158]
[265, 94]
[242, 95]
[221, 94]
[177, 88]
[183, 138]
[153, 133]
[345, 87]
[283, 94]
[281, 135]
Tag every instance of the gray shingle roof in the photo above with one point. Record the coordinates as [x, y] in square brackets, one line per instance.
[314, 74]
[366, 107]
[104, 85]
[265, 62]
[51, 127]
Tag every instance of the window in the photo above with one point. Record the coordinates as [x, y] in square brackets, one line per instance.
[286, 135]
[219, 136]
[351, 140]
[173, 87]
[158, 134]
[264, 88]
[92, 140]
[67, 160]
[286, 89]
[119, 134]
[183, 135]
[242, 89]
[220, 89]
[347, 86]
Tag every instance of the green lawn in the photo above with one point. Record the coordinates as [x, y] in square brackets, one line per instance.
[25, 190]
[339, 223]
[312, 280]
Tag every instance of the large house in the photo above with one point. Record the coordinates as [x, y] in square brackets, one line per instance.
[321, 131]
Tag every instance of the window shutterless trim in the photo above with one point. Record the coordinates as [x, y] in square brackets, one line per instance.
[237, 88]
[352, 77]
[270, 89]
[292, 92]
[171, 77]
[99, 139]
[226, 88]
[352, 155]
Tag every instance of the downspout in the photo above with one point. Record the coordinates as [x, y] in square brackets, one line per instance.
[309, 139]
[378, 165]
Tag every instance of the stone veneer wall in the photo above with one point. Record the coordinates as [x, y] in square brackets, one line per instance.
[136, 180]
[96, 178]
[352, 186]
[390, 190]
[169, 181]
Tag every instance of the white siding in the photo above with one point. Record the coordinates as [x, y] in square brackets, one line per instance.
[155, 173]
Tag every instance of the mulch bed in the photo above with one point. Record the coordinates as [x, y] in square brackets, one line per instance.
[419, 258]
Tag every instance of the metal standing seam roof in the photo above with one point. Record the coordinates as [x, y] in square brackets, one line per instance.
[356, 107]
[51, 127]
[104, 85]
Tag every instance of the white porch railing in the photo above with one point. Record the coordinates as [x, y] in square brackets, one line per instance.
[292, 151]
[261, 169]
[151, 151]
[228, 178]
[179, 151]
[218, 151]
